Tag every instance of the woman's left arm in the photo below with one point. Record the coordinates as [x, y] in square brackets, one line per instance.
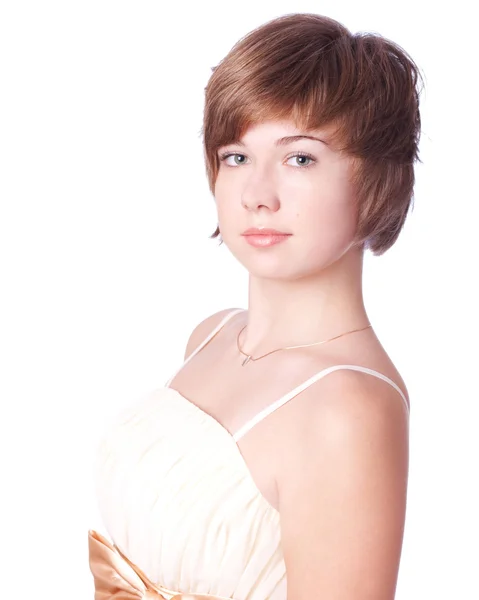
[342, 492]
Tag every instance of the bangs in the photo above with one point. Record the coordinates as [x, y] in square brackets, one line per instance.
[310, 91]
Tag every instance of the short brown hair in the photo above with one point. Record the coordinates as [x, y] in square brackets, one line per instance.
[312, 70]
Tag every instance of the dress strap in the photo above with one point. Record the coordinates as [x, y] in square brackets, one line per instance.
[205, 341]
[272, 407]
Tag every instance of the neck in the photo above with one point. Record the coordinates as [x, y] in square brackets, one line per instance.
[305, 310]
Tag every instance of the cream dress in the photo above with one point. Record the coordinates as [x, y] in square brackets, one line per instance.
[178, 502]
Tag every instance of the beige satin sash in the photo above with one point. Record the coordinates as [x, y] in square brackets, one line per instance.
[117, 577]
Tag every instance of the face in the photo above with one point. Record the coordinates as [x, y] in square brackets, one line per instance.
[297, 186]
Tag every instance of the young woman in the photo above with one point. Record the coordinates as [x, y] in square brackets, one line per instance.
[274, 463]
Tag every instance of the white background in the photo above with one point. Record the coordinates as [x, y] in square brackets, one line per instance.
[106, 265]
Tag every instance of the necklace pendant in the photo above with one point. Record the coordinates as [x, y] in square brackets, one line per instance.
[246, 360]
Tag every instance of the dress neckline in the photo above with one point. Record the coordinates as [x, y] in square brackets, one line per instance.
[227, 431]
[228, 435]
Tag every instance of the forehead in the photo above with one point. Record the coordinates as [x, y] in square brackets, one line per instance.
[281, 132]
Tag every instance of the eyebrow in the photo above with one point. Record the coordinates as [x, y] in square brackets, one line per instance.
[294, 138]
[289, 139]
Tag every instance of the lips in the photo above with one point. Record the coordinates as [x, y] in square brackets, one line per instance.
[264, 239]
[264, 231]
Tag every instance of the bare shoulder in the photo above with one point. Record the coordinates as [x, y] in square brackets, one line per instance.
[204, 328]
[343, 488]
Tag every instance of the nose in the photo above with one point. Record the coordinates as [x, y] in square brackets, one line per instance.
[260, 191]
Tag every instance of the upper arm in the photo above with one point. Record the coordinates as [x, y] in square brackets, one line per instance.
[342, 493]
[203, 329]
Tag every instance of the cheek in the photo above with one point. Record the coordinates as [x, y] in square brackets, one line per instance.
[224, 198]
[329, 219]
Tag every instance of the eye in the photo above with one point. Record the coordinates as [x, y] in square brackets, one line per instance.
[301, 158]
[238, 159]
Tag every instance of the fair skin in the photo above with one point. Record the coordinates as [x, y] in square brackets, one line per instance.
[342, 475]
[308, 288]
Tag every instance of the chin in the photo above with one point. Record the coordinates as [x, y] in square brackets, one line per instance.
[271, 265]
[282, 263]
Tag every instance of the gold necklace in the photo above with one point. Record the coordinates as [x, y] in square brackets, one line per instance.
[249, 357]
